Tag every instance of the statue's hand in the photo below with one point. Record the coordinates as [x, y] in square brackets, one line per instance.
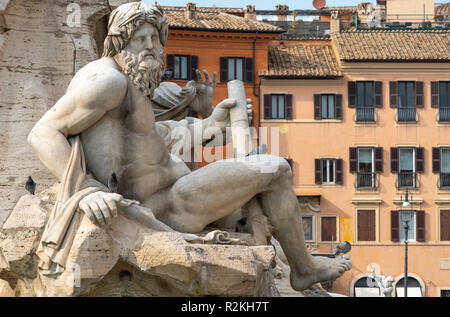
[100, 207]
[221, 113]
[205, 91]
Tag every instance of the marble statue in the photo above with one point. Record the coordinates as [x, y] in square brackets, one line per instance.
[105, 124]
[384, 283]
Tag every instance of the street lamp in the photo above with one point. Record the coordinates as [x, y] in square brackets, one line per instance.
[406, 204]
[405, 278]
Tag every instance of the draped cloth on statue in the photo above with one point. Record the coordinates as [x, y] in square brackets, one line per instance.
[65, 217]
[171, 102]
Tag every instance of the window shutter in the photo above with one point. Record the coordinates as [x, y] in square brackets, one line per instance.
[420, 226]
[379, 160]
[420, 160]
[436, 153]
[338, 172]
[419, 94]
[267, 106]
[371, 225]
[188, 68]
[317, 171]
[394, 160]
[395, 233]
[223, 69]
[338, 110]
[248, 71]
[378, 94]
[362, 225]
[353, 159]
[393, 93]
[317, 107]
[170, 62]
[194, 67]
[445, 225]
[434, 94]
[288, 102]
[351, 94]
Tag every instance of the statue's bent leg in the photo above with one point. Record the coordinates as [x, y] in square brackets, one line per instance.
[219, 188]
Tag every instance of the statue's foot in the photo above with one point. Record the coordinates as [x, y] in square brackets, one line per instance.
[322, 269]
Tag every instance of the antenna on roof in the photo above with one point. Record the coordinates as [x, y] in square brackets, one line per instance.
[319, 4]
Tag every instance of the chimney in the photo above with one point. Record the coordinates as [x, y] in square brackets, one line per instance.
[189, 12]
[282, 12]
[335, 23]
[250, 12]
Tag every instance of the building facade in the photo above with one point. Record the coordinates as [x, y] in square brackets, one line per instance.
[363, 117]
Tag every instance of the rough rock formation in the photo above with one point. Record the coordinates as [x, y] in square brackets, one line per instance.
[127, 260]
[42, 44]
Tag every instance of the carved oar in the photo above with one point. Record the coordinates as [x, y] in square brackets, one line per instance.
[239, 119]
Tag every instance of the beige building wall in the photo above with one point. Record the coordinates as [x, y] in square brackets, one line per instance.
[414, 8]
[304, 139]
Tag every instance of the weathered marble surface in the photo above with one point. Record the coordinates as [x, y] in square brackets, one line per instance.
[39, 54]
[127, 260]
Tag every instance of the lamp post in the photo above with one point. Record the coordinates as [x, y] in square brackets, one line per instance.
[405, 278]
[406, 203]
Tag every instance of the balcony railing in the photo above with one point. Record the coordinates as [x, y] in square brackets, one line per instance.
[366, 181]
[406, 115]
[444, 180]
[407, 179]
[444, 114]
[365, 114]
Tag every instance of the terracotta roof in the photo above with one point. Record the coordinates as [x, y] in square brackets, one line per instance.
[302, 61]
[393, 45]
[346, 9]
[443, 9]
[207, 9]
[214, 19]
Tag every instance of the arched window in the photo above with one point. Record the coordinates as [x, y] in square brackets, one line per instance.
[414, 287]
[366, 287]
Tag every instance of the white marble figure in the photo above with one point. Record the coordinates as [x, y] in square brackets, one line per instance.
[384, 283]
[105, 124]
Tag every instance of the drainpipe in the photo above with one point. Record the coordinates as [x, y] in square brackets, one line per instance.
[254, 84]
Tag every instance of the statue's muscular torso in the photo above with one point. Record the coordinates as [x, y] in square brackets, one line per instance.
[133, 149]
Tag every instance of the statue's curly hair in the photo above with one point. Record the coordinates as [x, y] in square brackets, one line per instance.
[115, 42]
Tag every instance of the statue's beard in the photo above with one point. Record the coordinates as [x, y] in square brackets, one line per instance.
[143, 70]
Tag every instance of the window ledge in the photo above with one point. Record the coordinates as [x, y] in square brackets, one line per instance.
[406, 123]
[301, 121]
[367, 191]
[366, 200]
[329, 185]
[365, 123]
[443, 123]
[401, 191]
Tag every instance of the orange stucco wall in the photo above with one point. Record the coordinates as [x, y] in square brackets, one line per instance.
[303, 139]
[210, 46]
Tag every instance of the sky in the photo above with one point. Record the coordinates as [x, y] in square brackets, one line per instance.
[262, 4]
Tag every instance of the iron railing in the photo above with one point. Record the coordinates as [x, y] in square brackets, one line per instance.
[365, 114]
[444, 180]
[444, 114]
[407, 180]
[366, 181]
[406, 115]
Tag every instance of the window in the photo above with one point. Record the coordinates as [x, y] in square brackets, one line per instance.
[416, 223]
[328, 171]
[413, 285]
[366, 162]
[327, 106]
[445, 293]
[365, 96]
[366, 225]
[441, 165]
[440, 98]
[308, 227]
[328, 228]
[445, 225]
[183, 66]
[406, 96]
[366, 287]
[278, 106]
[406, 102]
[407, 162]
[366, 168]
[406, 168]
[408, 217]
[239, 68]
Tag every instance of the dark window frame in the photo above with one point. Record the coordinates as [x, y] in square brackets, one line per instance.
[328, 106]
[365, 112]
[235, 68]
[277, 106]
[444, 105]
[322, 161]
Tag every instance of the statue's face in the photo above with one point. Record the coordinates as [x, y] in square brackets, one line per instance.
[145, 41]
